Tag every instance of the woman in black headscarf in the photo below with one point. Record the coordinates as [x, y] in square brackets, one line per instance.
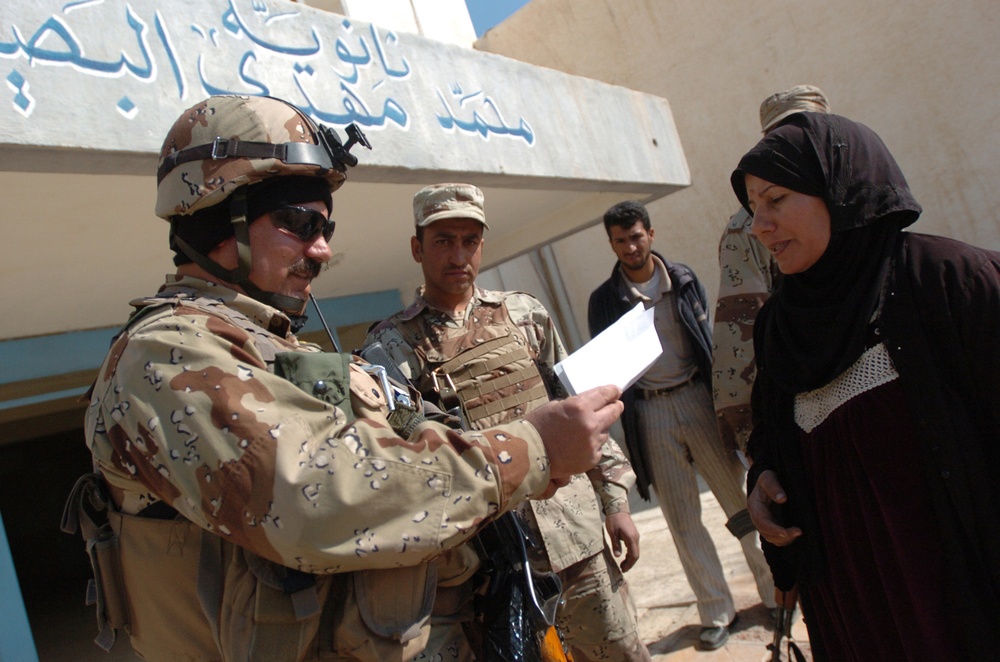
[875, 481]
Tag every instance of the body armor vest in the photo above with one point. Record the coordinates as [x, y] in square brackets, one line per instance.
[489, 373]
[491, 364]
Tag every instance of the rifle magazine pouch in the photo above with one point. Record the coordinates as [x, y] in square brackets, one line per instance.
[396, 603]
[167, 552]
[86, 510]
[270, 612]
[104, 554]
[105, 590]
[495, 381]
[382, 614]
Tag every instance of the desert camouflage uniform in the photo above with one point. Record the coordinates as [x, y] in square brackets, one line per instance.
[747, 276]
[598, 619]
[186, 410]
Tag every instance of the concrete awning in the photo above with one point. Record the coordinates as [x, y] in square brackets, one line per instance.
[91, 88]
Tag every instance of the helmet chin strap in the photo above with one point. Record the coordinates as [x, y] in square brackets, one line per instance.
[241, 274]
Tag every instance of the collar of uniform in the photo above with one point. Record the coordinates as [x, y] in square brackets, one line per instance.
[479, 296]
[659, 268]
[261, 314]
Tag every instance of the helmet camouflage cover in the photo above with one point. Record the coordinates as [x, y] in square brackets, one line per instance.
[225, 142]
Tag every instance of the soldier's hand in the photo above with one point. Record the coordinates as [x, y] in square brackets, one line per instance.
[622, 529]
[573, 430]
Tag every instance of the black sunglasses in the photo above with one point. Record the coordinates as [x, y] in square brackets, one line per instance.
[302, 222]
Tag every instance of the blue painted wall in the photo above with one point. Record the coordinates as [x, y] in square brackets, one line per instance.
[16, 644]
[47, 356]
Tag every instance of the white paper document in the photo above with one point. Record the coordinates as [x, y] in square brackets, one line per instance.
[618, 355]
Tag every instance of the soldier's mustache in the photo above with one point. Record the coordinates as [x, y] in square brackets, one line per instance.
[307, 268]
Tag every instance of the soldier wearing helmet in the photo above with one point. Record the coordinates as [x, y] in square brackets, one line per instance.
[255, 498]
[228, 162]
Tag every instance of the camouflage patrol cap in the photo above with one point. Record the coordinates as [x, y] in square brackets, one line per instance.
[227, 141]
[451, 200]
[798, 99]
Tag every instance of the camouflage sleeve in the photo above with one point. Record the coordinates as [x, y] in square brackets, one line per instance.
[554, 353]
[185, 411]
[745, 281]
[612, 479]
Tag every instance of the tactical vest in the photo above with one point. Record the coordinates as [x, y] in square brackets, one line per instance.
[490, 375]
[214, 600]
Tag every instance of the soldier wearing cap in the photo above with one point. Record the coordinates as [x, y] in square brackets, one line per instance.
[490, 355]
[253, 498]
[748, 274]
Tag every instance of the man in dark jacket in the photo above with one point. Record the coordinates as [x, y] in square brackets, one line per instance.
[669, 420]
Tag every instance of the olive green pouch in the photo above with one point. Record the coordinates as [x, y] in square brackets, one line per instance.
[323, 375]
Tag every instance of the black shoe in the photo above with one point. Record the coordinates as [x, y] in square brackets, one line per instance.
[715, 637]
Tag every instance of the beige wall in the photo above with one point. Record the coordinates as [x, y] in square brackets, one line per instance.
[434, 112]
[442, 20]
[924, 74]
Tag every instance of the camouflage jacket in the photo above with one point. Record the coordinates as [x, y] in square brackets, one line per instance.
[747, 276]
[570, 522]
[186, 410]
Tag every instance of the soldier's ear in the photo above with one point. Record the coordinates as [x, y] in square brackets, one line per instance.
[416, 250]
[226, 253]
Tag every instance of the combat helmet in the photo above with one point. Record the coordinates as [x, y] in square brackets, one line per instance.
[221, 146]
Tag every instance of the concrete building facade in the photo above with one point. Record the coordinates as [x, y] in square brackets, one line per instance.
[557, 113]
[922, 74]
[91, 88]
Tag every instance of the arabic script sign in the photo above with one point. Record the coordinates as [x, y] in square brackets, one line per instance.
[106, 78]
[134, 58]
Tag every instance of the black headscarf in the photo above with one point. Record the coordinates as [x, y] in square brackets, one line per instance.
[815, 325]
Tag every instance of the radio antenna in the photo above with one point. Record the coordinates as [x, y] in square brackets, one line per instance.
[322, 320]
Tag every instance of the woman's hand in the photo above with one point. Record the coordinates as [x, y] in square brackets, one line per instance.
[766, 493]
